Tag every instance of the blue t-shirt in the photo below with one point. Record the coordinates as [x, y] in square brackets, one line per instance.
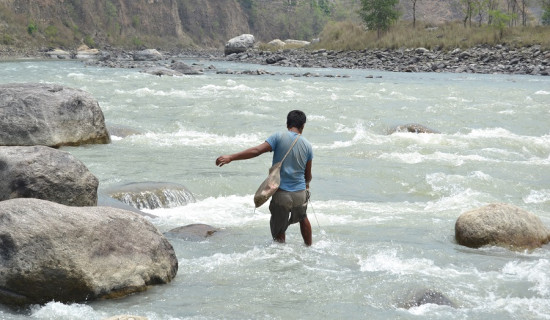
[294, 168]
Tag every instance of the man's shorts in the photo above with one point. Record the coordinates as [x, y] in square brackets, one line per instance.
[284, 203]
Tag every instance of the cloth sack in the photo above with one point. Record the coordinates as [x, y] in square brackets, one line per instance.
[269, 186]
[272, 182]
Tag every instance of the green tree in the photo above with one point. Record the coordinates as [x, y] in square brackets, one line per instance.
[379, 15]
[545, 19]
[500, 20]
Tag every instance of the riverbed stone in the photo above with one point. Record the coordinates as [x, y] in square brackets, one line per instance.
[423, 296]
[152, 195]
[184, 68]
[50, 115]
[501, 224]
[72, 254]
[147, 55]
[46, 173]
[192, 232]
[413, 128]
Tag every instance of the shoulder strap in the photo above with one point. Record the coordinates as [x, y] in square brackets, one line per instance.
[298, 137]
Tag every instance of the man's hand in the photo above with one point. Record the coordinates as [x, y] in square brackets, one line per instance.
[223, 160]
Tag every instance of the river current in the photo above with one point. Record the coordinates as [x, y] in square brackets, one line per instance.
[383, 207]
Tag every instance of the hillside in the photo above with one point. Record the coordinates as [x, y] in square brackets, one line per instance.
[172, 24]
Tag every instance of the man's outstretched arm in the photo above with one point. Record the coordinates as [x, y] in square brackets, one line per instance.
[245, 154]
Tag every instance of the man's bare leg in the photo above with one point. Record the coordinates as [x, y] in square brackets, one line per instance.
[305, 229]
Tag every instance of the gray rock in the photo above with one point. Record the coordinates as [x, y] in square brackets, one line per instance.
[425, 296]
[147, 55]
[50, 115]
[59, 54]
[413, 128]
[501, 225]
[184, 68]
[152, 195]
[106, 201]
[122, 131]
[239, 44]
[192, 232]
[53, 252]
[162, 71]
[46, 173]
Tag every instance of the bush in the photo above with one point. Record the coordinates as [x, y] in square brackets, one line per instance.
[51, 32]
[6, 39]
[546, 17]
[31, 28]
[89, 41]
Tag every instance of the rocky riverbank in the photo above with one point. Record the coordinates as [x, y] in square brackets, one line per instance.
[532, 60]
[482, 59]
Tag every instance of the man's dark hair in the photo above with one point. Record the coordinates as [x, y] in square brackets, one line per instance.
[295, 118]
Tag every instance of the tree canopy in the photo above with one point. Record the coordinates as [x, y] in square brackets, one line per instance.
[379, 15]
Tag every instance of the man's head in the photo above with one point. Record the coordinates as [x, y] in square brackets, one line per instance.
[296, 119]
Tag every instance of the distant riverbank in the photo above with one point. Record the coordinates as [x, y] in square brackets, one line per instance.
[531, 60]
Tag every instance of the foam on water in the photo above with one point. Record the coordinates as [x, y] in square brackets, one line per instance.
[60, 311]
[537, 196]
[184, 137]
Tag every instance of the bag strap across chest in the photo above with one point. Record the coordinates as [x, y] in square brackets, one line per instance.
[293, 143]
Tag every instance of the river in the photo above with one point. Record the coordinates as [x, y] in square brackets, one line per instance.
[383, 207]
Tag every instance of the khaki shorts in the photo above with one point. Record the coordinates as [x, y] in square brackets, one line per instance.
[284, 203]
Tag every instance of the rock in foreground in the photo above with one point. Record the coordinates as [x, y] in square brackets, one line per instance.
[53, 252]
[46, 173]
[49, 115]
[501, 225]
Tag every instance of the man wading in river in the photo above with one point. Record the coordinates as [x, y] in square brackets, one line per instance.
[293, 193]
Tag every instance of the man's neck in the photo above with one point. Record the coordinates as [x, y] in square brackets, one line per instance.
[296, 130]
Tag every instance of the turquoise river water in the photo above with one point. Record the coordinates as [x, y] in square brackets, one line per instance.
[383, 206]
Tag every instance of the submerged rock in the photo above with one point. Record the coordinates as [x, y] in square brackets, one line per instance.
[425, 296]
[413, 128]
[50, 115]
[192, 232]
[106, 201]
[501, 225]
[152, 195]
[184, 68]
[46, 173]
[72, 254]
[162, 71]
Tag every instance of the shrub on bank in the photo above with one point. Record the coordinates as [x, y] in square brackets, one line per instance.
[352, 36]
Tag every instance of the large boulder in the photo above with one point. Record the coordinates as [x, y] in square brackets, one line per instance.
[58, 53]
[46, 173]
[50, 115]
[85, 53]
[501, 225]
[152, 195]
[50, 252]
[239, 44]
